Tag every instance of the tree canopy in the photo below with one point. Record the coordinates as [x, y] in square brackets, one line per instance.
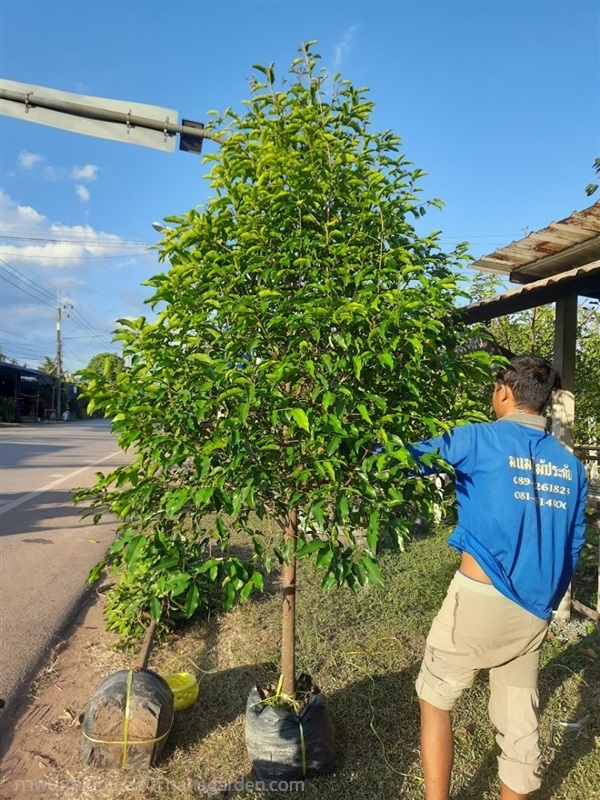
[305, 335]
[108, 365]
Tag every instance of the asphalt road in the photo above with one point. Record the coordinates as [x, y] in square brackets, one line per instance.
[46, 549]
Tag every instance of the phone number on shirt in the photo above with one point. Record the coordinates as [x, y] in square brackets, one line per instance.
[553, 502]
[541, 487]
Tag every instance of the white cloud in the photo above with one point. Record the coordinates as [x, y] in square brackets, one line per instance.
[82, 263]
[86, 173]
[29, 160]
[344, 48]
[54, 245]
[51, 173]
[15, 216]
[82, 193]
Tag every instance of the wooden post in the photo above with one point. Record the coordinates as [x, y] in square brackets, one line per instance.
[598, 599]
[288, 627]
[563, 410]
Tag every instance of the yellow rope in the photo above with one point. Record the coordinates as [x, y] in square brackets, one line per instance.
[126, 742]
[130, 742]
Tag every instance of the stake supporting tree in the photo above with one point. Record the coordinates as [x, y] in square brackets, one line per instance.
[288, 627]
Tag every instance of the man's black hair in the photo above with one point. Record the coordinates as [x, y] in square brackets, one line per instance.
[532, 381]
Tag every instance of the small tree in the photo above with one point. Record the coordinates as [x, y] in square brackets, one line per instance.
[47, 366]
[306, 336]
[109, 365]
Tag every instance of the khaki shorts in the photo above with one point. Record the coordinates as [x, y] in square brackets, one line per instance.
[478, 628]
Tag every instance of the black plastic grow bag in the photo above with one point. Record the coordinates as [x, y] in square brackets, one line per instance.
[285, 746]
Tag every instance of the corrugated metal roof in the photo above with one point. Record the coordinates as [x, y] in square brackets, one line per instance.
[572, 242]
[581, 280]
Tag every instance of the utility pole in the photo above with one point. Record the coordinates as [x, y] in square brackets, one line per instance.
[58, 356]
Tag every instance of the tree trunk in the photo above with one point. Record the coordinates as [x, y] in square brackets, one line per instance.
[288, 627]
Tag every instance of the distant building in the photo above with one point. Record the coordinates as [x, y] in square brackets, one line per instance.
[25, 394]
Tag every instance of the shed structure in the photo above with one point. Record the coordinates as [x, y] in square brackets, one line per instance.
[557, 264]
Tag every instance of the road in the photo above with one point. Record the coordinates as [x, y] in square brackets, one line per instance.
[46, 549]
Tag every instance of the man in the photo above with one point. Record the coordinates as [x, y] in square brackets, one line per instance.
[521, 505]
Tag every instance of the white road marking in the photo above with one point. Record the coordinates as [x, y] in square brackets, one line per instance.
[20, 500]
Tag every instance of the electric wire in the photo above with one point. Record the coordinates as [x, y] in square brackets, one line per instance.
[88, 241]
[36, 257]
[26, 279]
[80, 320]
[30, 294]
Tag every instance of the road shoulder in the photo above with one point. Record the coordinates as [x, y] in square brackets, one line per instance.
[41, 739]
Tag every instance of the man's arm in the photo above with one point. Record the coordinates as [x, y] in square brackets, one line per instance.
[455, 447]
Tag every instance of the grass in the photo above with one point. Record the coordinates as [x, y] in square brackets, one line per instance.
[364, 651]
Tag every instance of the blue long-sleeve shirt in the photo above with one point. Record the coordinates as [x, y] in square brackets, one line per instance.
[521, 506]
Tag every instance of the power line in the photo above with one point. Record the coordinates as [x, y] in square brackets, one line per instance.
[79, 320]
[23, 277]
[22, 334]
[103, 242]
[36, 257]
[72, 312]
[10, 343]
[17, 286]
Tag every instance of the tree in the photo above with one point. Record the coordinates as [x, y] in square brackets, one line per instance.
[109, 365]
[305, 335]
[48, 365]
[591, 188]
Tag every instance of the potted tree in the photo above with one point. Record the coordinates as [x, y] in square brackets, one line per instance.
[306, 333]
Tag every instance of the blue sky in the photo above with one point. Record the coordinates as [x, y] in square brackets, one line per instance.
[498, 101]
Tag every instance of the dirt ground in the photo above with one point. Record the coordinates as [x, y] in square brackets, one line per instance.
[41, 743]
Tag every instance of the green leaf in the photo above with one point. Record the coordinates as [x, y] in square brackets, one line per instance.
[324, 556]
[373, 573]
[134, 551]
[257, 580]
[328, 400]
[334, 445]
[242, 411]
[96, 571]
[361, 573]
[386, 360]
[309, 547]
[167, 562]
[373, 532]
[192, 599]
[228, 596]
[202, 357]
[246, 591]
[329, 581]
[328, 466]
[317, 512]
[300, 418]
[155, 608]
[364, 413]
[343, 507]
[287, 551]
